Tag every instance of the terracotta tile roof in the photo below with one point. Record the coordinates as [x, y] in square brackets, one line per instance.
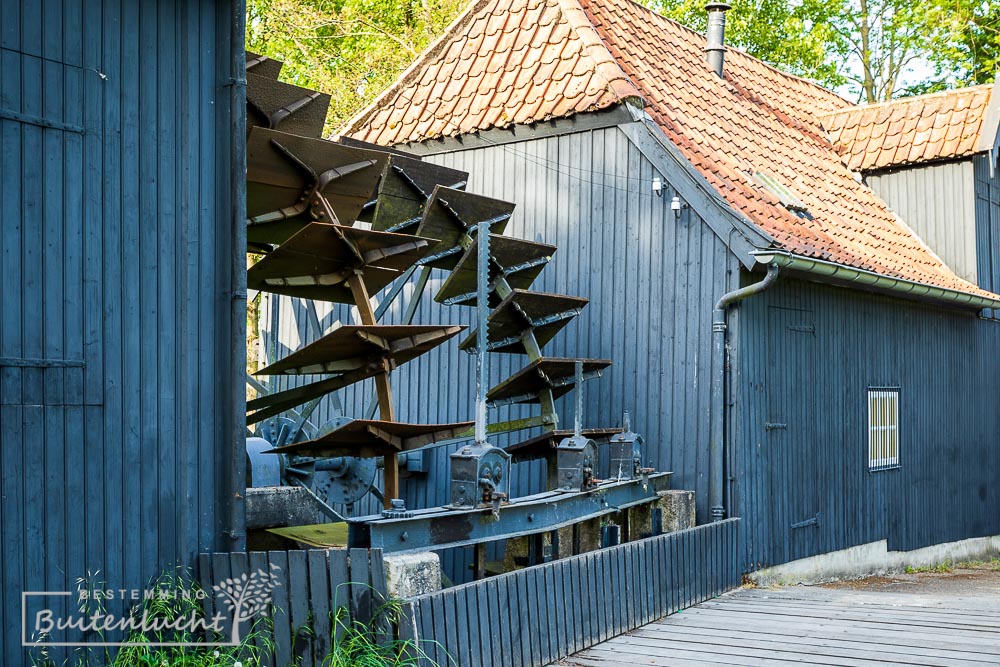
[570, 56]
[938, 126]
[500, 63]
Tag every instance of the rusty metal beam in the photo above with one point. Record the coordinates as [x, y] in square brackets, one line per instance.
[441, 528]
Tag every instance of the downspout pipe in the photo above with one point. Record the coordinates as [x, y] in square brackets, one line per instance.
[716, 481]
[235, 507]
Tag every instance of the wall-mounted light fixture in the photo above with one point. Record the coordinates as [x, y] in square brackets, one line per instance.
[657, 186]
[676, 206]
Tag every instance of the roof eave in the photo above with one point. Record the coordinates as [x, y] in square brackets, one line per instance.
[904, 166]
[989, 134]
[610, 116]
[826, 271]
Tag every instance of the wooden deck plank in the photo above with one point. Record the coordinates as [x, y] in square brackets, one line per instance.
[584, 660]
[860, 621]
[981, 605]
[895, 616]
[755, 639]
[954, 618]
[848, 628]
[623, 654]
[813, 627]
[874, 631]
[816, 630]
[666, 647]
[915, 613]
[986, 607]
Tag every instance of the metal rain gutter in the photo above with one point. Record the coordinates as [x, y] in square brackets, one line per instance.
[824, 269]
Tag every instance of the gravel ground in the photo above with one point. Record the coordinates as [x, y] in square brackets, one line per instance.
[966, 581]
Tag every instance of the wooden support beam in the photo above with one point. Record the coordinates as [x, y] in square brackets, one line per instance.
[479, 561]
[382, 388]
[536, 549]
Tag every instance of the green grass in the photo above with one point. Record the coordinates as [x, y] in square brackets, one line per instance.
[940, 568]
[992, 565]
[948, 566]
[371, 645]
[140, 654]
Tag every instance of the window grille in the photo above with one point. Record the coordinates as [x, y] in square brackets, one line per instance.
[883, 429]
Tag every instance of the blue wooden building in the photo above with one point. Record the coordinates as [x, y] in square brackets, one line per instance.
[122, 325]
[852, 401]
[842, 394]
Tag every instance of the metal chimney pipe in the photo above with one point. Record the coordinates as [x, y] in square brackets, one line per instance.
[715, 49]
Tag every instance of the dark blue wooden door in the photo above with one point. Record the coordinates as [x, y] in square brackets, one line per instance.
[42, 320]
[115, 291]
[790, 435]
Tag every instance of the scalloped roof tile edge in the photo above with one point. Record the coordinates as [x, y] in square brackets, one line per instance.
[966, 110]
[603, 68]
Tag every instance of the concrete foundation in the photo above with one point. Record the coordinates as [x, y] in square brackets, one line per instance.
[409, 575]
[677, 513]
[678, 510]
[588, 533]
[640, 522]
[277, 506]
[515, 554]
[565, 542]
[874, 559]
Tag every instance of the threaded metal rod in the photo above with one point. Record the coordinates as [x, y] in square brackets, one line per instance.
[482, 310]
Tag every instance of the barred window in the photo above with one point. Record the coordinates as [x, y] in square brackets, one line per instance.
[883, 428]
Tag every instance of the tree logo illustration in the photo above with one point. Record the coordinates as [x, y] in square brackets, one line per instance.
[247, 596]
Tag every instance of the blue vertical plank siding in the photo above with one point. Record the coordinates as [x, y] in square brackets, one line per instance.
[937, 202]
[987, 215]
[802, 358]
[803, 355]
[115, 271]
[651, 281]
[807, 354]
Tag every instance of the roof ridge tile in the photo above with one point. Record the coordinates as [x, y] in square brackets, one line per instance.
[606, 67]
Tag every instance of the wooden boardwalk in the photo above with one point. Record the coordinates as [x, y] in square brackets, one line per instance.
[813, 626]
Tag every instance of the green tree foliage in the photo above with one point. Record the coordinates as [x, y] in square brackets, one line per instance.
[865, 48]
[952, 43]
[885, 37]
[800, 37]
[968, 49]
[351, 49]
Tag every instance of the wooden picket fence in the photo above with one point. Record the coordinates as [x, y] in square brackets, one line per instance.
[311, 586]
[531, 617]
